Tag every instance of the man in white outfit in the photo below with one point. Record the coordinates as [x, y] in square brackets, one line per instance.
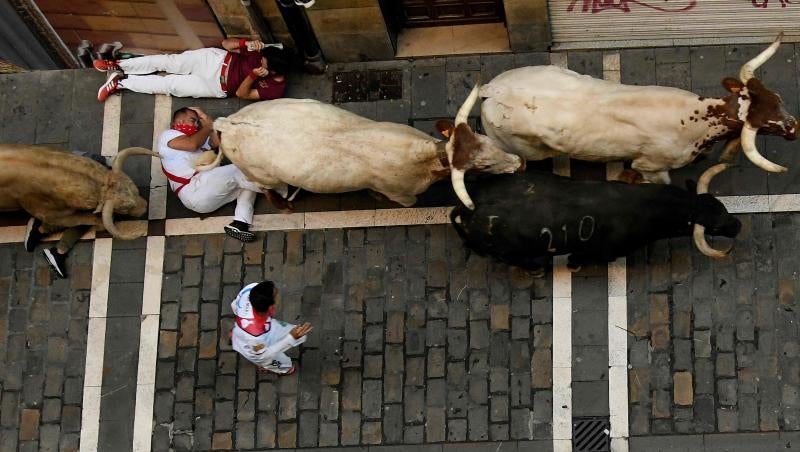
[206, 191]
[259, 337]
[246, 69]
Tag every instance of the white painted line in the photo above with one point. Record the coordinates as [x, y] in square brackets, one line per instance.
[379, 217]
[619, 444]
[762, 203]
[345, 219]
[409, 217]
[143, 419]
[153, 269]
[148, 344]
[112, 109]
[95, 345]
[16, 234]
[90, 418]
[617, 326]
[562, 405]
[617, 311]
[162, 114]
[562, 355]
[101, 272]
[618, 407]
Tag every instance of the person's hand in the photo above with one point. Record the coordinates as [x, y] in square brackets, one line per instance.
[255, 46]
[301, 330]
[202, 116]
[261, 71]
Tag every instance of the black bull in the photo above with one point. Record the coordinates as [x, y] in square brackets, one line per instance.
[522, 218]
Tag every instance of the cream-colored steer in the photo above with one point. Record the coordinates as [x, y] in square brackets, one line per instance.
[543, 111]
[324, 149]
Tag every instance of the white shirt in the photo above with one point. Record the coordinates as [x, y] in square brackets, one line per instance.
[264, 348]
[177, 162]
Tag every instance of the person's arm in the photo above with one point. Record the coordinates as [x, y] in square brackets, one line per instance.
[194, 142]
[292, 339]
[237, 45]
[245, 90]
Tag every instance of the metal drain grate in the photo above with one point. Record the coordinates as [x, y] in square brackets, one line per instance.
[590, 435]
[363, 86]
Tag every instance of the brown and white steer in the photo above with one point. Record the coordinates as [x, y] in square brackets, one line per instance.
[543, 111]
[63, 189]
[324, 149]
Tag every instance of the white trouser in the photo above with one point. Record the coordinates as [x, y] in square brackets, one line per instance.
[272, 345]
[212, 189]
[194, 73]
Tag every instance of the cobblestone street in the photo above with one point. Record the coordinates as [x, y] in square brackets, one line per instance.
[418, 345]
[43, 325]
[414, 343]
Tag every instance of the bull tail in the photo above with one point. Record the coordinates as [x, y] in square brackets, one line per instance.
[201, 165]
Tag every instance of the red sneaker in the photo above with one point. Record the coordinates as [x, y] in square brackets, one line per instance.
[105, 65]
[110, 87]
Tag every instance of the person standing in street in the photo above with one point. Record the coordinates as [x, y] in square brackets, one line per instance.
[258, 336]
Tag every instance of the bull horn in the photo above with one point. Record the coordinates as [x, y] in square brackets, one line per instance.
[108, 223]
[700, 230]
[457, 178]
[749, 68]
[705, 178]
[704, 247]
[749, 147]
[125, 153]
[463, 112]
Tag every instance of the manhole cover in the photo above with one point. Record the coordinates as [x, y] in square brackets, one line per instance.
[590, 435]
[363, 86]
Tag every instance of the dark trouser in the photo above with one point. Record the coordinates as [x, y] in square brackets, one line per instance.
[69, 238]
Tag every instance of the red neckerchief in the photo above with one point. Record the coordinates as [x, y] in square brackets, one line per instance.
[258, 325]
[186, 129]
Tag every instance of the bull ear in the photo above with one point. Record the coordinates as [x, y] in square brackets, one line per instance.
[691, 186]
[445, 127]
[733, 85]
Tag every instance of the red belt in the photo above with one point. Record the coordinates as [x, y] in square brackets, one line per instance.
[223, 73]
[177, 179]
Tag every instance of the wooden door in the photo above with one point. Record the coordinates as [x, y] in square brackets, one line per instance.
[433, 13]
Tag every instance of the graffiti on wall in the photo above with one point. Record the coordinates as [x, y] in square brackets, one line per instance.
[765, 3]
[598, 6]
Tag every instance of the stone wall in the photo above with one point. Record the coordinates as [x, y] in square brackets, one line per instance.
[528, 25]
[351, 30]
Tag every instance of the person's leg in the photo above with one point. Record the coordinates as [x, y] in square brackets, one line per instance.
[33, 234]
[245, 204]
[202, 64]
[210, 190]
[70, 237]
[57, 256]
[175, 85]
[180, 63]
